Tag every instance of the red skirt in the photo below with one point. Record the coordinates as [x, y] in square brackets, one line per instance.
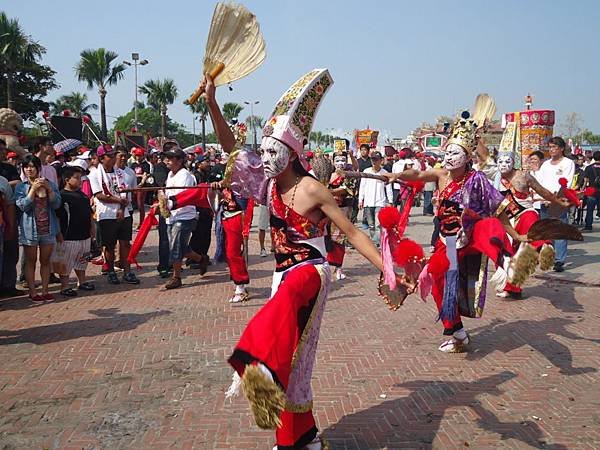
[279, 336]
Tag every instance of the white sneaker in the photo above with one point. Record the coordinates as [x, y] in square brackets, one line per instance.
[263, 253]
[340, 275]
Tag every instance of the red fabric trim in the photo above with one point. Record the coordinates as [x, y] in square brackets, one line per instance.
[335, 255]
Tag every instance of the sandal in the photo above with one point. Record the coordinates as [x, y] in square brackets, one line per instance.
[455, 345]
[68, 292]
[239, 298]
[174, 283]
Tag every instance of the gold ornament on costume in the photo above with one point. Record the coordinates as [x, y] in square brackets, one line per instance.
[239, 132]
[464, 130]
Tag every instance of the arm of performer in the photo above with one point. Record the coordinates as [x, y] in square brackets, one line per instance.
[357, 238]
[510, 230]
[417, 175]
[545, 193]
[224, 134]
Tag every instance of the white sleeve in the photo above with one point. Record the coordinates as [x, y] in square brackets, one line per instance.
[95, 184]
[569, 172]
[361, 190]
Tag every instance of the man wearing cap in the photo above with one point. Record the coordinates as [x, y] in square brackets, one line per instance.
[182, 221]
[374, 195]
[112, 214]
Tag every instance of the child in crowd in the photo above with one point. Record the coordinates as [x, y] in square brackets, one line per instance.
[75, 216]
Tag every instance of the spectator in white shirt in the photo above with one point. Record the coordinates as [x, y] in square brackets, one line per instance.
[555, 168]
[112, 213]
[374, 195]
[182, 222]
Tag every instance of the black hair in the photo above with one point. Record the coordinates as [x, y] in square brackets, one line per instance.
[69, 171]
[32, 160]
[2, 141]
[120, 148]
[539, 154]
[38, 142]
[559, 142]
[364, 146]
[596, 155]
[169, 145]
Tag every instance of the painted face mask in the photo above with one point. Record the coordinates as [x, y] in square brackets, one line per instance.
[275, 156]
[454, 157]
[505, 163]
[340, 162]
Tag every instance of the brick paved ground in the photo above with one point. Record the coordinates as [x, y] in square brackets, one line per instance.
[145, 368]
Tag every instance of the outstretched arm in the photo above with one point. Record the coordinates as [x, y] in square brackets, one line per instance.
[416, 175]
[357, 238]
[545, 193]
[224, 133]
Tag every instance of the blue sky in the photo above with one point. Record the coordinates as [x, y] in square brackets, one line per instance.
[395, 63]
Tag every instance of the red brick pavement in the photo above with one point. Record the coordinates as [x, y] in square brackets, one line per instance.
[140, 367]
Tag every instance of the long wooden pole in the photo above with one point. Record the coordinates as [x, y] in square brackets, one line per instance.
[158, 188]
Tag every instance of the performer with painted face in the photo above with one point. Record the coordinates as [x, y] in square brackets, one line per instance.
[517, 186]
[473, 229]
[275, 355]
[344, 190]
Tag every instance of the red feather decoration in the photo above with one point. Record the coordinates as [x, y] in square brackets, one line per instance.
[569, 194]
[407, 251]
[388, 217]
[438, 263]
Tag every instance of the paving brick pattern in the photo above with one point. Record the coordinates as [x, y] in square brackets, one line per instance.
[140, 367]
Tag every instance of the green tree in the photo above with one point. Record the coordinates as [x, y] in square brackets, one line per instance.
[98, 69]
[31, 84]
[76, 102]
[255, 123]
[231, 111]
[159, 94]
[590, 138]
[16, 51]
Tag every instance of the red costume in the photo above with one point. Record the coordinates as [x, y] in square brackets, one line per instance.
[523, 216]
[233, 226]
[470, 234]
[283, 335]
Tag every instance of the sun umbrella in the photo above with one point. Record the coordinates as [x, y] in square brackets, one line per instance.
[66, 145]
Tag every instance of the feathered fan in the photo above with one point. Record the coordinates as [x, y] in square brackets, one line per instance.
[550, 229]
[485, 108]
[235, 46]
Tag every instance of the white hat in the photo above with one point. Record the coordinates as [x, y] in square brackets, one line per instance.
[84, 155]
[81, 163]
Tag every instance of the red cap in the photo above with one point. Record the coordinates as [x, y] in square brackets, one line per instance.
[309, 154]
[137, 151]
[11, 155]
[198, 150]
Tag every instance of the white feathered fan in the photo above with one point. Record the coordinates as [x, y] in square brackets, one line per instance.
[235, 46]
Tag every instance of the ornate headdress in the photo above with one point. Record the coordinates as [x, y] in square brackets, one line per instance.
[463, 132]
[294, 113]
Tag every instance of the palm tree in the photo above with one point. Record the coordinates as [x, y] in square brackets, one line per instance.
[254, 123]
[231, 111]
[16, 50]
[201, 109]
[76, 102]
[97, 68]
[160, 94]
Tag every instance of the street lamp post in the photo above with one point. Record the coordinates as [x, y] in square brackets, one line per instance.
[252, 124]
[136, 61]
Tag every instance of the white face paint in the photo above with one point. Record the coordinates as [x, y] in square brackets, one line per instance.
[455, 156]
[506, 163]
[275, 156]
[339, 162]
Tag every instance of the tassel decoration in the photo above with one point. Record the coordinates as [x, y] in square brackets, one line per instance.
[266, 399]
